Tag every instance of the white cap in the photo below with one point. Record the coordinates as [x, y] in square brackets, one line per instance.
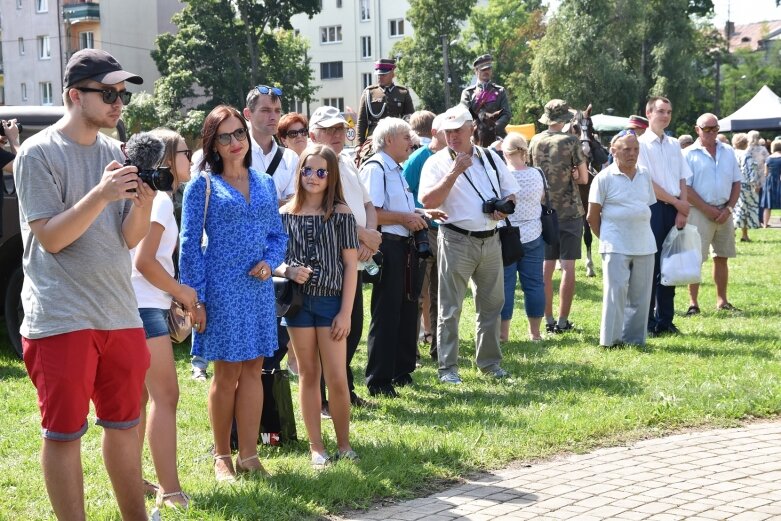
[326, 117]
[436, 125]
[454, 118]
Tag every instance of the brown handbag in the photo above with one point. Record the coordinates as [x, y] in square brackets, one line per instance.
[179, 321]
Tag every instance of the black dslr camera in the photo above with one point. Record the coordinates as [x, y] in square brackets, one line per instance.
[160, 178]
[2, 128]
[422, 246]
[494, 204]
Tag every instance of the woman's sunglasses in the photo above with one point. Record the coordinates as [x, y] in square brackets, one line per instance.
[307, 171]
[225, 139]
[294, 133]
[265, 89]
[109, 95]
[187, 153]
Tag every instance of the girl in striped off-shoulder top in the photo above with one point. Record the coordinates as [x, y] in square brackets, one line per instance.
[322, 257]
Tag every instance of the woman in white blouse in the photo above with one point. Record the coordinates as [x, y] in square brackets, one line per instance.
[527, 218]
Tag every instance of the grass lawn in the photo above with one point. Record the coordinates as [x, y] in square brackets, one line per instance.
[567, 395]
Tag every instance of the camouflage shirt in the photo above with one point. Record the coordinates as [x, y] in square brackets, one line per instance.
[557, 153]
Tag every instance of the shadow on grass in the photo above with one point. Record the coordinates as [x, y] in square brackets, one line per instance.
[11, 366]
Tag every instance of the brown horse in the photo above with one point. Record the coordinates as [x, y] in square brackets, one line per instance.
[484, 133]
[596, 157]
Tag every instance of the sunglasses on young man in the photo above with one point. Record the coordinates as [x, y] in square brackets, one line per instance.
[109, 96]
[266, 90]
[307, 171]
[225, 139]
[303, 132]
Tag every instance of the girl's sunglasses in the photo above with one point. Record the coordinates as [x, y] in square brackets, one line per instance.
[109, 95]
[307, 171]
[187, 153]
[225, 139]
[300, 132]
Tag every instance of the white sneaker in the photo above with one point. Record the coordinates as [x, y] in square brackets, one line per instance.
[450, 378]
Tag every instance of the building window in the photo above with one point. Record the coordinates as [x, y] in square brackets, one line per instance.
[46, 93]
[2, 95]
[339, 3]
[297, 106]
[334, 102]
[366, 13]
[366, 79]
[41, 6]
[331, 34]
[87, 40]
[330, 70]
[44, 48]
[18, 4]
[366, 47]
[396, 27]
[24, 92]
[21, 45]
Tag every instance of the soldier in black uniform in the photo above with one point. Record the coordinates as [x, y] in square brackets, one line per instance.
[383, 100]
[487, 97]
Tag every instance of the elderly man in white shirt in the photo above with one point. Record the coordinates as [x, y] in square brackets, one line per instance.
[714, 189]
[263, 110]
[661, 155]
[619, 214]
[327, 126]
[458, 180]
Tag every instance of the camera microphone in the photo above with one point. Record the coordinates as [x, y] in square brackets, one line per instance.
[144, 150]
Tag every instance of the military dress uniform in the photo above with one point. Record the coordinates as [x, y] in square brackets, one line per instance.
[488, 97]
[377, 102]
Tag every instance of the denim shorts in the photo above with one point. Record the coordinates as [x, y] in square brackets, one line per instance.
[155, 321]
[315, 312]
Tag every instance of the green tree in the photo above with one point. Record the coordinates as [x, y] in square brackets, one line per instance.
[421, 67]
[506, 30]
[225, 46]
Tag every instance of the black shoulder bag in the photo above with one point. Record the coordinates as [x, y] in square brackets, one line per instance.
[275, 162]
[509, 235]
[549, 217]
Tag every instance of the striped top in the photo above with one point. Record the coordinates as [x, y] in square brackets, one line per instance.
[318, 245]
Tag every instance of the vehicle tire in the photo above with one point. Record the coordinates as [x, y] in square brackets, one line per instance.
[14, 314]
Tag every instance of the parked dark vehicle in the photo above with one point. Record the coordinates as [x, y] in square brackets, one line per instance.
[33, 120]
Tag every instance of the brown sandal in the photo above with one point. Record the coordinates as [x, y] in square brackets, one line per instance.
[164, 500]
[227, 475]
[241, 468]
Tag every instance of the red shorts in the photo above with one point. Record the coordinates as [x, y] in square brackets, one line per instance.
[68, 370]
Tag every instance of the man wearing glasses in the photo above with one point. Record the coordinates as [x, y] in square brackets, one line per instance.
[327, 126]
[263, 110]
[661, 155]
[81, 211]
[714, 188]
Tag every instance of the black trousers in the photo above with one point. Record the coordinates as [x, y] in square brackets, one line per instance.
[392, 341]
[353, 339]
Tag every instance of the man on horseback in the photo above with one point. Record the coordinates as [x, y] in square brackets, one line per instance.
[486, 100]
[384, 99]
[561, 159]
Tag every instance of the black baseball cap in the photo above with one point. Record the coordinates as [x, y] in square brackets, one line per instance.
[98, 65]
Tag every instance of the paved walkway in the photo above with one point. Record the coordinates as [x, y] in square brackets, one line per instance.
[723, 474]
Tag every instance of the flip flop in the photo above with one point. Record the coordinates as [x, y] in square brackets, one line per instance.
[693, 310]
[728, 307]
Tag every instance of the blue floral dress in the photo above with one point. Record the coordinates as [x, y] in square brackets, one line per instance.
[240, 313]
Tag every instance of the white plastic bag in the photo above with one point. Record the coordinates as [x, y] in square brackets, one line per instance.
[681, 259]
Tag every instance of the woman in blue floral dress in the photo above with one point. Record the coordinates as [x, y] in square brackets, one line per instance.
[235, 320]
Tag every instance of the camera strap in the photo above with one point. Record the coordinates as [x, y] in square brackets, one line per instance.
[490, 160]
[275, 161]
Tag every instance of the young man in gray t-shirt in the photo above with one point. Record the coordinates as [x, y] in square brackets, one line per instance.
[81, 211]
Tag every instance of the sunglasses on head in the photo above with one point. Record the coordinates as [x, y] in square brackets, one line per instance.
[623, 133]
[710, 130]
[225, 139]
[300, 132]
[187, 153]
[266, 90]
[307, 171]
[109, 95]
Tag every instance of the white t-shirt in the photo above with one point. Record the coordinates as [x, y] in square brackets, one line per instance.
[147, 294]
[626, 212]
[527, 204]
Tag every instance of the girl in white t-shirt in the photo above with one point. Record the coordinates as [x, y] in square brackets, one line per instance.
[155, 285]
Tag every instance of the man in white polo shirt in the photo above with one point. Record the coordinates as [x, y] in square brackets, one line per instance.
[458, 180]
[714, 188]
[328, 127]
[619, 214]
[661, 155]
[263, 110]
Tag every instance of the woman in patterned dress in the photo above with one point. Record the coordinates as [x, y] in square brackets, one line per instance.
[527, 218]
[235, 319]
[771, 192]
[322, 257]
[747, 208]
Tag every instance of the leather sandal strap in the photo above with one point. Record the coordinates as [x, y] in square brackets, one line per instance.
[222, 456]
[242, 461]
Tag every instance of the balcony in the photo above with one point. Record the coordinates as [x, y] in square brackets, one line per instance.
[82, 12]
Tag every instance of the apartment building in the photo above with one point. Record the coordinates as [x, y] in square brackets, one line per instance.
[38, 37]
[346, 38]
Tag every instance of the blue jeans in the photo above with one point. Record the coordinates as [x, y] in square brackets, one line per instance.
[529, 269]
